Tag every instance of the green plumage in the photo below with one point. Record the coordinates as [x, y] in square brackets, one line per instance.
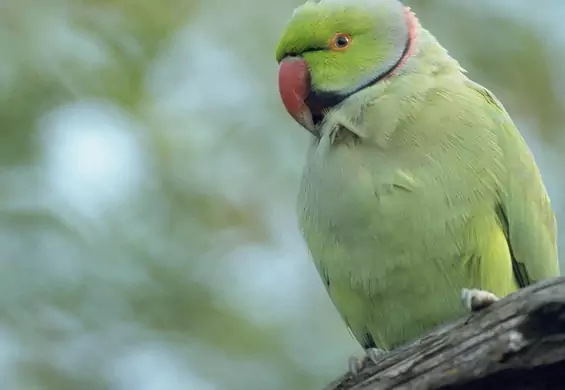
[418, 186]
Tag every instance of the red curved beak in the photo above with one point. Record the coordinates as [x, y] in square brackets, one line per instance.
[294, 87]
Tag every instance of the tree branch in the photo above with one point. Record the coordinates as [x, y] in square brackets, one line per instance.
[518, 343]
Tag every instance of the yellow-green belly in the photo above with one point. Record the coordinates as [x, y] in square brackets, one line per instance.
[394, 260]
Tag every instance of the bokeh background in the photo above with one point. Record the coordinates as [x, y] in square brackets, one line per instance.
[148, 174]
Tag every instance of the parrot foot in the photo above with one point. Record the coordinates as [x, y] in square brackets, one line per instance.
[375, 354]
[476, 300]
[356, 364]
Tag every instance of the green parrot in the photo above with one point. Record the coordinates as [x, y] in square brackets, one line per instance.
[418, 192]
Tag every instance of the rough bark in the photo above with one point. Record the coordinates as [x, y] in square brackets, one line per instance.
[518, 343]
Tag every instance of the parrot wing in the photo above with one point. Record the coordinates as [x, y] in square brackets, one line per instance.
[524, 208]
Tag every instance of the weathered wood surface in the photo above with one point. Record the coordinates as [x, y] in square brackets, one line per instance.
[518, 343]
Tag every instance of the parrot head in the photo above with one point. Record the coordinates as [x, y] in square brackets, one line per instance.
[332, 49]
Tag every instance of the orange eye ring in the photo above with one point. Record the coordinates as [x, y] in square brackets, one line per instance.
[340, 42]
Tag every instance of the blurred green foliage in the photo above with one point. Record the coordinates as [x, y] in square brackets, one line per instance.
[148, 175]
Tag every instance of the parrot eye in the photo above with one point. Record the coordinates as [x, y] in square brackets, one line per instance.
[340, 41]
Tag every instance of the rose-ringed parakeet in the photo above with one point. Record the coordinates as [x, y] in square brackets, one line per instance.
[417, 185]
